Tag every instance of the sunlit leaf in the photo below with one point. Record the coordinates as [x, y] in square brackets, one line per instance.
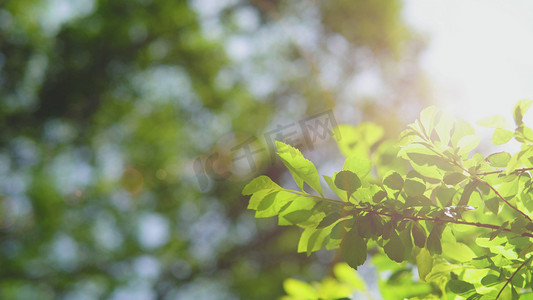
[258, 184]
[500, 159]
[301, 169]
[520, 109]
[496, 121]
[501, 136]
[299, 289]
[424, 262]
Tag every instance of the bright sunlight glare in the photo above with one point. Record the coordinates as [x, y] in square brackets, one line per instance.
[480, 53]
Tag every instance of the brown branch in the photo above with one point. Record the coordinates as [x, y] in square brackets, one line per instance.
[501, 171]
[476, 177]
[512, 276]
[438, 220]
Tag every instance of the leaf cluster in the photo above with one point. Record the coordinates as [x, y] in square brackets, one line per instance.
[463, 219]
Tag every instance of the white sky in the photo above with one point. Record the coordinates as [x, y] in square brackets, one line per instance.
[480, 54]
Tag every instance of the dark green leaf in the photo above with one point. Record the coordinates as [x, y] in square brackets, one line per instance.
[414, 187]
[459, 286]
[468, 189]
[419, 235]
[358, 165]
[395, 249]
[347, 181]
[454, 178]
[354, 249]
[379, 196]
[298, 216]
[329, 219]
[394, 181]
[433, 242]
[493, 204]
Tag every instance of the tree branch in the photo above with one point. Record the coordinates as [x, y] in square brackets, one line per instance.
[512, 276]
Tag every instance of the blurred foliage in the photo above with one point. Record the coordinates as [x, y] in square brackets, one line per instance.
[110, 110]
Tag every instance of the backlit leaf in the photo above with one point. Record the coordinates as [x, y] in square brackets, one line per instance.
[500, 159]
[301, 169]
[424, 262]
[501, 136]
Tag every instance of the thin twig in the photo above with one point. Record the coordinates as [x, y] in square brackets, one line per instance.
[512, 276]
[501, 171]
[438, 220]
[475, 177]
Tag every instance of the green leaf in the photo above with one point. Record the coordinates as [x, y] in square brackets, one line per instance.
[258, 184]
[427, 118]
[395, 249]
[424, 262]
[393, 181]
[257, 198]
[499, 160]
[454, 178]
[313, 239]
[354, 249]
[496, 121]
[340, 193]
[379, 196]
[467, 192]
[347, 181]
[444, 128]
[520, 109]
[345, 274]
[299, 289]
[493, 204]
[460, 287]
[445, 195]
[461, 128]
[301, 206]
[358, 165]
[329, 219]
[298, 216]
[468, 143]
[501, 136]
[302, 170]
[273, 203]
[433, 242]
[457, 251]
[414, 186]
[419, 235]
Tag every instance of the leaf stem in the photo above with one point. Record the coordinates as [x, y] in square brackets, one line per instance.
[501, 171]
[476, 177]
[512, 276]
[414, 218]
